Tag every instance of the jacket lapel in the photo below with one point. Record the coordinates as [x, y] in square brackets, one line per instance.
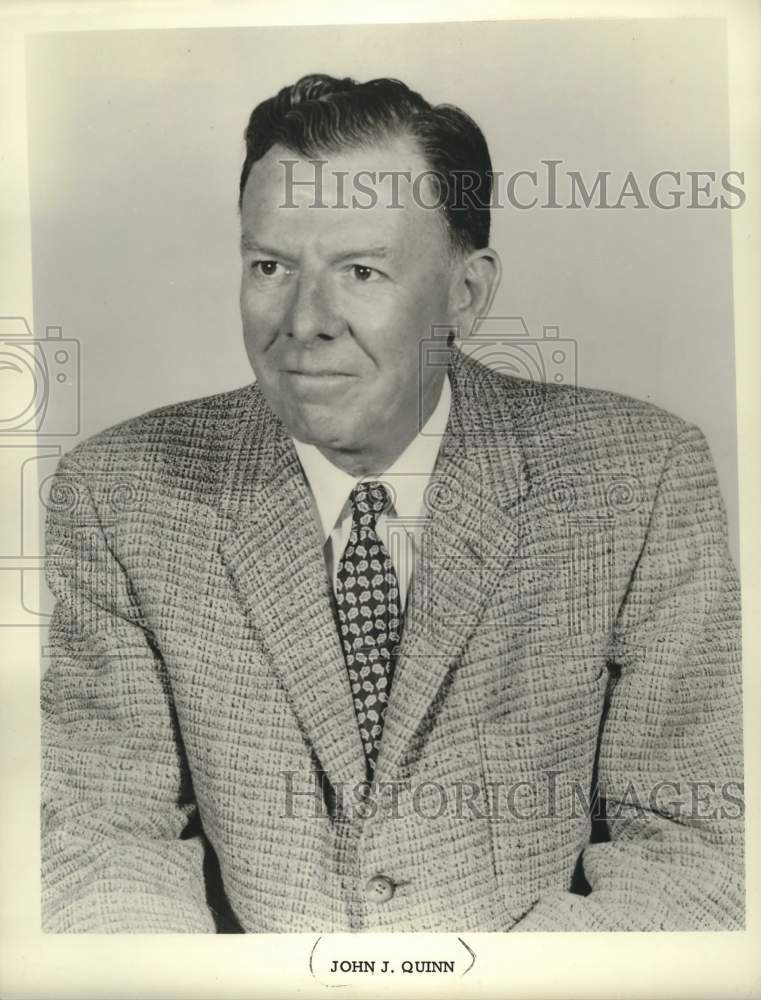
[273, 552]
[479, 479]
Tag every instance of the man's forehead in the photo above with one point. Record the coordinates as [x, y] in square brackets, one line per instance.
[379, 231]
[388, 172]
[369, 195]
[331, 234]
[395, 152]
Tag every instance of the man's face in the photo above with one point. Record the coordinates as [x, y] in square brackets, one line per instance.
[335, 300]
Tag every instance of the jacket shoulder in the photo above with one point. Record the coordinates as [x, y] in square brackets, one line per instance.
[587, 416]
[576, 430]
[190, 426]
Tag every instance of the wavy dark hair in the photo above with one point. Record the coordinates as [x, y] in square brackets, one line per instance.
[321, 113]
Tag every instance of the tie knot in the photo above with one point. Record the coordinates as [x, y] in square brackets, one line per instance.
[369, 500]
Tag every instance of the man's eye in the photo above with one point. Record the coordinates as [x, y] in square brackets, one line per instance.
[268, 268]
[363, 273]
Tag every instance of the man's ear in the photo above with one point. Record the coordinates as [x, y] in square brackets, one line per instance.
[478, 278]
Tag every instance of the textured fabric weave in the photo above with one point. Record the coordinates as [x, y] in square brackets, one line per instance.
[573, 625]
[369, 615]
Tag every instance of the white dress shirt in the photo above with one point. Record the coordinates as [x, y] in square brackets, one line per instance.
[406, 480]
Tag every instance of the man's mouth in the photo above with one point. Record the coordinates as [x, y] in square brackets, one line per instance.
[320, 381]
[318, 373]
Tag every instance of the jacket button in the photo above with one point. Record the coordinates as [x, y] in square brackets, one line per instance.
[379, 889]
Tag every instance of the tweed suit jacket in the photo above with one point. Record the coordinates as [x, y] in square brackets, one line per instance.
[572, 628]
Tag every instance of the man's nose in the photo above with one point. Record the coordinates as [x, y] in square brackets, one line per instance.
[311, 316]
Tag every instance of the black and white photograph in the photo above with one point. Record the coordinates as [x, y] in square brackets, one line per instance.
[373, 511]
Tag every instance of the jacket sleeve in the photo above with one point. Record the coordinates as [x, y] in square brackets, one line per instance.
[119, 852]
[670, 750]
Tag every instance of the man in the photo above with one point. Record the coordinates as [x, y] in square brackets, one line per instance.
[388, 640]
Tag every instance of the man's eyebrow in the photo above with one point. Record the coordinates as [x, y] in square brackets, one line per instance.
[375, 250]
[249, 245]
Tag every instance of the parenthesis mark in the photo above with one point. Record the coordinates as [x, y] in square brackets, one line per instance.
[311, 956]
[334, 986]
[472, 955]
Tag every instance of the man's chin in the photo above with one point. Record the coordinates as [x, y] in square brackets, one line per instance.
[327, 430]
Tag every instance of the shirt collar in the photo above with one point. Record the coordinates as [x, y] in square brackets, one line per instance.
[407, 477]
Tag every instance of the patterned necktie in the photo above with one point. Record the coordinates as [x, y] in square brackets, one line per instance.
[367, 598]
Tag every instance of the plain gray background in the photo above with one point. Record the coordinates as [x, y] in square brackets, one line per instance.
[135, 153]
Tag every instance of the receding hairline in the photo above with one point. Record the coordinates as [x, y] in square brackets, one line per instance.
[387, 137]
